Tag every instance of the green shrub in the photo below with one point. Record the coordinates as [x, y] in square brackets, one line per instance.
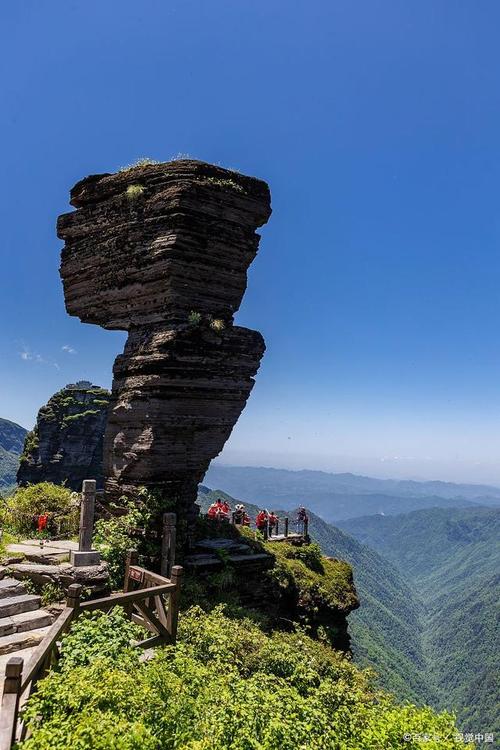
[194, 318]
[143, 162]
[309, 554]
[100, 634]
[134, 191]
[36, 499]
[50, 592]
[225, 686]
[113, 538]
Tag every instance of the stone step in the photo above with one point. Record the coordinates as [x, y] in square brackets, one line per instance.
[35, 553]
[38, 618]
[212, 561]
[19, 641]
[10, 587]
[14, 605]
[34, 620]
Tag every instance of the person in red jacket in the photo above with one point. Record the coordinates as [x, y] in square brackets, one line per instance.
[42, 522]
[273, 521]
[261, 520]
[212, 511]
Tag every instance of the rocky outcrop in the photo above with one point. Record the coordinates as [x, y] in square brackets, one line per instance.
[162, 251]
[66, 445]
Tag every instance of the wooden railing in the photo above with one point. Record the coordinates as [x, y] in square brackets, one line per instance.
[143, 599]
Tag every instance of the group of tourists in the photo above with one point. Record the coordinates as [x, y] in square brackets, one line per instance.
[220, 510]
[266, 518]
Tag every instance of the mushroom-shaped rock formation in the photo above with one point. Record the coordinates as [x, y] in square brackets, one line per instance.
[162, 251]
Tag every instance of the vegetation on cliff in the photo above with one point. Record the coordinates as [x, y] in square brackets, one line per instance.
[66, 445]
[227, 685]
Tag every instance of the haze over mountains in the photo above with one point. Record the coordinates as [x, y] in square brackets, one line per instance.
[341, 496]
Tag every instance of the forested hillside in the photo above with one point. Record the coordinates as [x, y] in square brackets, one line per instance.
[451, 560]
[11, 445]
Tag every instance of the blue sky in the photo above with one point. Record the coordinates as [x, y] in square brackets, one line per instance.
[376, 124]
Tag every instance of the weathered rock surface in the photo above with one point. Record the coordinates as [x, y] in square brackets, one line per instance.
[162, 251]
[182, 242]
[66, 445]
[94, 578]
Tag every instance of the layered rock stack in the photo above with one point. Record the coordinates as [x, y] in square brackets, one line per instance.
[162, 251]
[66, 445]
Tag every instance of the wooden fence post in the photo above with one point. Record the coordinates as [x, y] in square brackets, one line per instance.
[168, 544]
[10, 702]
[131, 559]
[173, 607]
[73, 598]
[286, 526]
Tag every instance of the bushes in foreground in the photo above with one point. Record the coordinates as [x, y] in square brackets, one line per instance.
[35, 499]
[226, 686]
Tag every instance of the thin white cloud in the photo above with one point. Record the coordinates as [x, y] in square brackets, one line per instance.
[68, 349]
[27, 355]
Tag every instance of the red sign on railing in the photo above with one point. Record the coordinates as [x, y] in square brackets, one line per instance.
[136, 574]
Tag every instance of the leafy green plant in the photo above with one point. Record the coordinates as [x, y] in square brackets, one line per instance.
[134, 191]
[100, 634]
[50, 592]
[194, 318]
[113, 538]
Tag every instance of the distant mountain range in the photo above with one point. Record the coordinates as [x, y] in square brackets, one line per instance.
[341, 496]
[11, 445]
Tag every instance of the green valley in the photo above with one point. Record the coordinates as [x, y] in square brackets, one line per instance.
[450, 559]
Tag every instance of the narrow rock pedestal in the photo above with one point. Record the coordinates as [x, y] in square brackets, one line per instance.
[162, 251]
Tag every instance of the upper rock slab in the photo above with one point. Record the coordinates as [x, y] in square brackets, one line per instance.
[152, 243]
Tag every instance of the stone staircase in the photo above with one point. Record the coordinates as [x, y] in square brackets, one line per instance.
[207, 555]
[23, 622]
